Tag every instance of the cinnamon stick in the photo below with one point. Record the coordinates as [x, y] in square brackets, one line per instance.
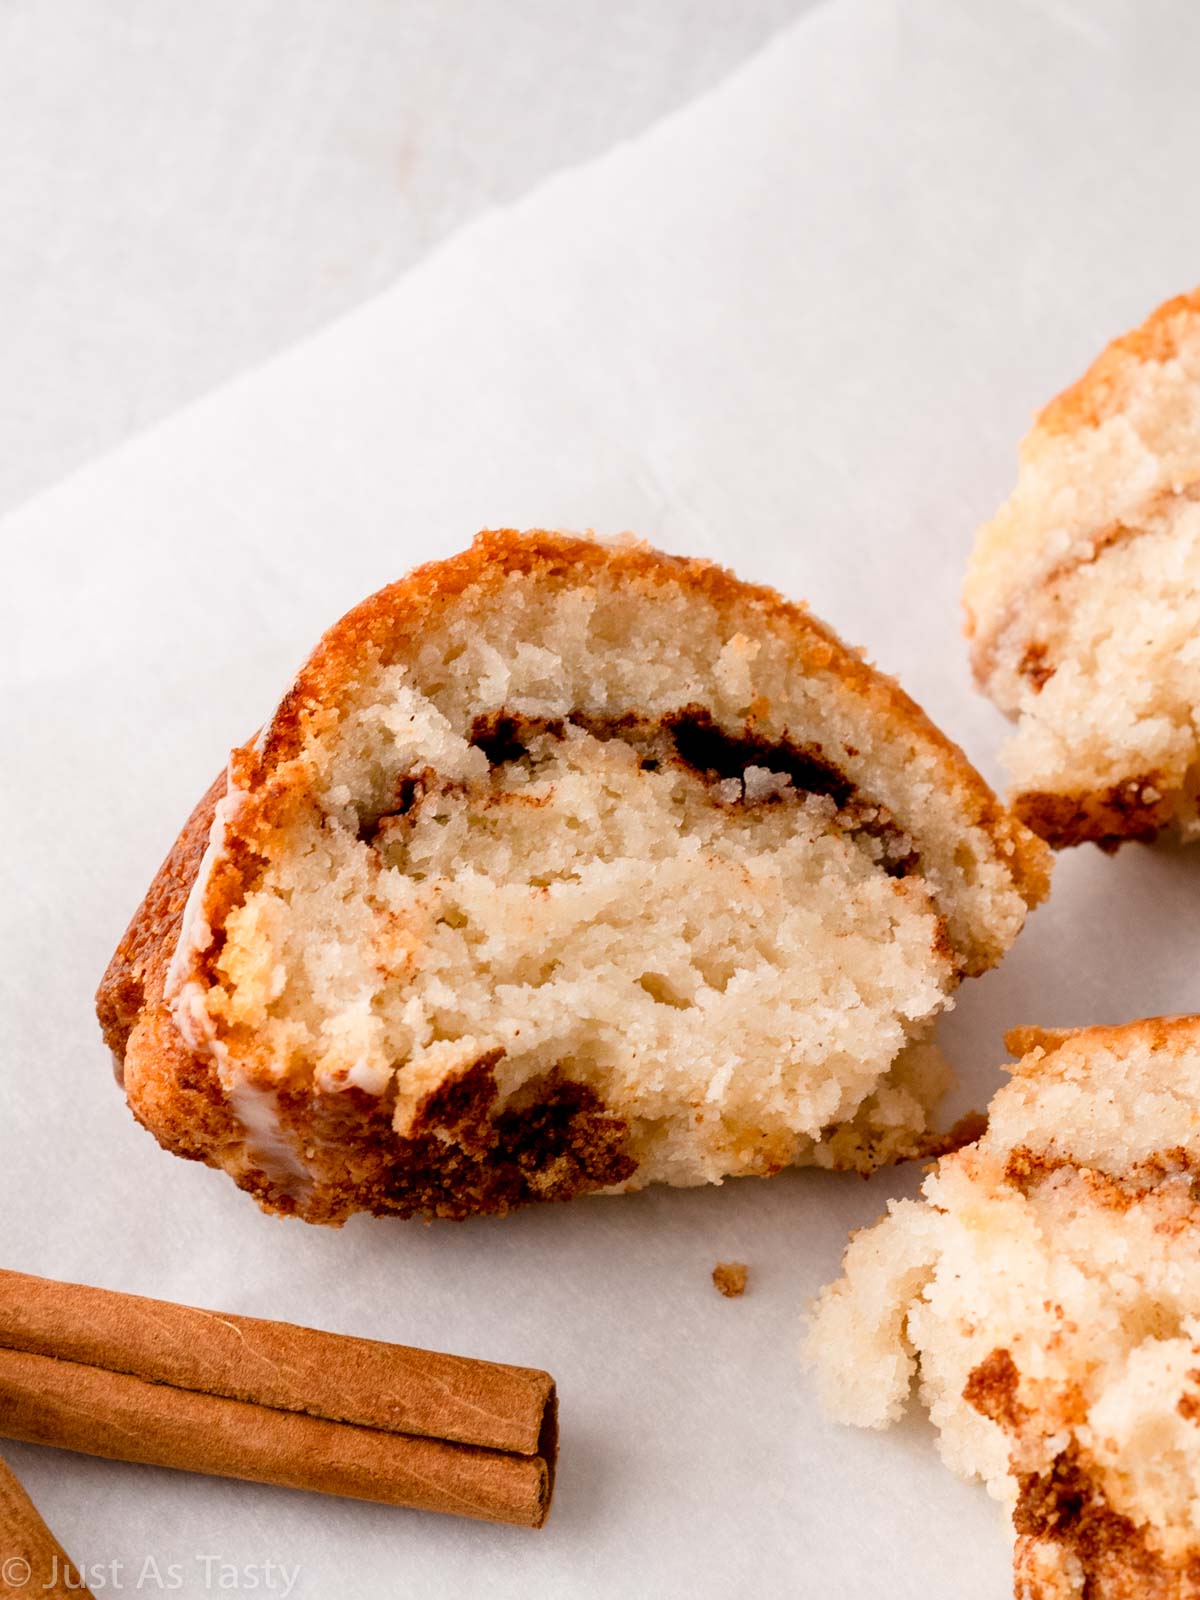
[31, 1559]
[378, 1385]
[144, 1380]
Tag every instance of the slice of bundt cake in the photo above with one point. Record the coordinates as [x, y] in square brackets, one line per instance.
[1083, 596]
[562, 867]
[1047, 1292]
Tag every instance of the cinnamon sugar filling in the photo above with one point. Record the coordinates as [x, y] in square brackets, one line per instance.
[743, 769]
[1037, 666]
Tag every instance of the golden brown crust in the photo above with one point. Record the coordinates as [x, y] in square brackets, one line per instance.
[176, 1094]
[1103, 390]
[1142, 1034]
[135, 975]
[173, 1092]
[1137, 808]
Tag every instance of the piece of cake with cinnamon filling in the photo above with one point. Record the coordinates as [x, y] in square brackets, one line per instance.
[564, 867]
[1045, 1294]
[1083, 596]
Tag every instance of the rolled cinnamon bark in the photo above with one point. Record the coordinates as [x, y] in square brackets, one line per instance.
[31, 1559]
[124, 1418]
[143, 1380]
[366, 1381]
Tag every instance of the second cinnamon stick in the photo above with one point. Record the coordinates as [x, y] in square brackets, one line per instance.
[113, 1414]
[31, 1559]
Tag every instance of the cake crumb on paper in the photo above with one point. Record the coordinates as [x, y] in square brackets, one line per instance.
[730, 1278]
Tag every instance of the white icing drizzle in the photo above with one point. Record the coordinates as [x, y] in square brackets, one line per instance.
[195, 933]
[371, 1078]
[265, 1145]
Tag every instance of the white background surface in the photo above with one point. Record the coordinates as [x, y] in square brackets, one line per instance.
[187, 187]
[799, 326]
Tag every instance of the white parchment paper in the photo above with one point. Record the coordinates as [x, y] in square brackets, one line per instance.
[798, 327]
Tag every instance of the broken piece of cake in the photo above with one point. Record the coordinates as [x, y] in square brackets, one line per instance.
[1083, 596]
[564, 867]
[1046, 1296]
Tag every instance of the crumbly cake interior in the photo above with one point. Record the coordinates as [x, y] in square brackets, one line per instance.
[597, 834]
[1120, 706]
[1082, 596]
[720, 950]
[1046, 1293]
